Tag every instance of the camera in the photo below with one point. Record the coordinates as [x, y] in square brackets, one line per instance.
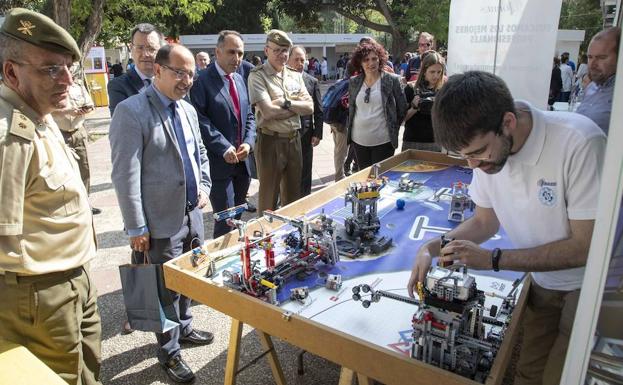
[426, 102]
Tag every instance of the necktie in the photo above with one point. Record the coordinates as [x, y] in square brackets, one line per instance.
[147, 82]
[236, 101]
[191, 182]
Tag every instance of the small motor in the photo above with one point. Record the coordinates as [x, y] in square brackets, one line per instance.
[444, 241]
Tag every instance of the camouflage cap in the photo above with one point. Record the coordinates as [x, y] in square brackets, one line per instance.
[39, 30]
[279, 37]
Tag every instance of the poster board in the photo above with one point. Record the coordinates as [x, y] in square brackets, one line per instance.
[514, 39]
[95, 61]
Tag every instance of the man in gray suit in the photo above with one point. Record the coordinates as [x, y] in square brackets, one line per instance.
[161, 176]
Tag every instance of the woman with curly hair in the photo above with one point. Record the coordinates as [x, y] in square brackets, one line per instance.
[420, 95]
[377, 106]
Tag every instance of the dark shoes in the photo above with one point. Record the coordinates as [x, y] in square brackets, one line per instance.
[198, 337]
[178, 370]
[251, 207]
[126, 328]
[96, 211]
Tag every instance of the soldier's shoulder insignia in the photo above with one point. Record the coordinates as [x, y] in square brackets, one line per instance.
[22, 126]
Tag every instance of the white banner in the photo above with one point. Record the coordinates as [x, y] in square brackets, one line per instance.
[514, 39]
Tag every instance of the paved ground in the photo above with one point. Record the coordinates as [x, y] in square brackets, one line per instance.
[130, 359]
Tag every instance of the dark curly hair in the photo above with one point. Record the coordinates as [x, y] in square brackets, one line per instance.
[364, 50]
[468, 105]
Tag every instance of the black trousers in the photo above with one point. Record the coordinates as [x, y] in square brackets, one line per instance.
[368, 155]
[163, 250]
[307, 151]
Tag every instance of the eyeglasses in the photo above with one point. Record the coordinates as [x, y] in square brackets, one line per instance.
[180, 74]
[366, 98]
[474, 158]
[278, 51]
[55, 71]
[425, 44]
[147, 50]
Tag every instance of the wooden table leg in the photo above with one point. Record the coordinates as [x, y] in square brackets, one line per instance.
[273, 360]
[346, 376]
[233, 353]
[363, 380]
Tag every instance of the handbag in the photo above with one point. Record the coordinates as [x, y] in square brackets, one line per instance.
[148, 303]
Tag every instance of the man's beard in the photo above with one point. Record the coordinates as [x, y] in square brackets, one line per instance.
[493, 167]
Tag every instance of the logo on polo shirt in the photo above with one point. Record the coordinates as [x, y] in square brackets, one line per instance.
[547, 192]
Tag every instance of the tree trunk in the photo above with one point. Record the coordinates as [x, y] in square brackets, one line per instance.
[61, 12]
[399, 45]
[93, 26]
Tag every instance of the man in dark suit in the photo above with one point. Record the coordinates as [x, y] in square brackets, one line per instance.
[146, 40]
[227, 125]
[161, 174]
[311, 125]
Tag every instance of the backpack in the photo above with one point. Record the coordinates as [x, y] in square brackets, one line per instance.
[334, 110]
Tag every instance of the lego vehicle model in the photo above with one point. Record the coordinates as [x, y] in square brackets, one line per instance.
[450, 328]
[408, 185]
[309, 243]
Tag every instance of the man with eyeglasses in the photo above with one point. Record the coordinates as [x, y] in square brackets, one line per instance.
[161, 175]
[227, 126]
[49, 303]
[536, 174]
[146, 40]
[281, 98]
[426, 42]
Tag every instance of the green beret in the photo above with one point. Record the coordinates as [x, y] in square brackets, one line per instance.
[39, 30]
[279, 37]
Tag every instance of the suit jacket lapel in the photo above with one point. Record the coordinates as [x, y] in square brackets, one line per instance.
[385, 86]
[163, 113]
[194, 130]
[224, 89]
[135, 80]
[357, 84]
[242, 96]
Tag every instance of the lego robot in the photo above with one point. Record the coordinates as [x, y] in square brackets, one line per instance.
[449, 325]
[362, 227]
[459, 202]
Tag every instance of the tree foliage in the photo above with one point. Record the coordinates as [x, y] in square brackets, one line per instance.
[401, 19]
[243, 16]
[582, 14]
[170, 16]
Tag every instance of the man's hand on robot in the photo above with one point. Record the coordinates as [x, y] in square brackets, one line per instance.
[468, 253]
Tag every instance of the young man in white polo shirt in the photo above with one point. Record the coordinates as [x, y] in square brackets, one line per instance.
[537, 174]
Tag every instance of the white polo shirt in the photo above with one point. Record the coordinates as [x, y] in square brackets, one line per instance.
[554, 178]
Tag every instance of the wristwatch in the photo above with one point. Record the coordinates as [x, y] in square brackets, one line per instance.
[286, 105]
[496, 254]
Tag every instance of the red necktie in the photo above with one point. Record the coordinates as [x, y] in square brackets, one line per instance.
[234, 98]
